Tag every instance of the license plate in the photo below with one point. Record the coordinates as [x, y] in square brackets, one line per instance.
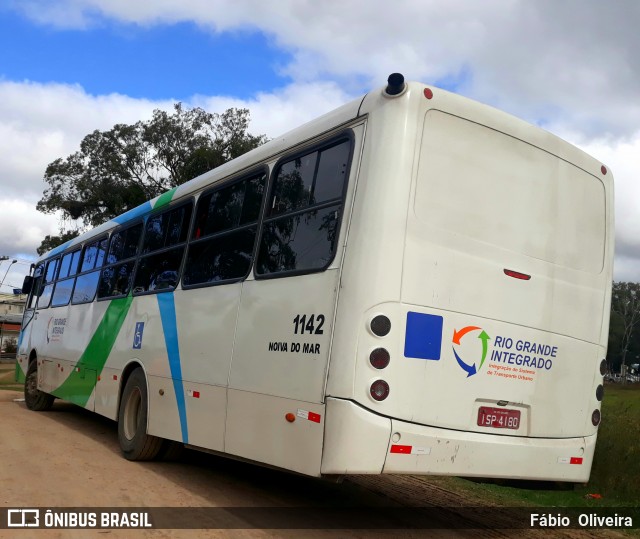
[498, 418]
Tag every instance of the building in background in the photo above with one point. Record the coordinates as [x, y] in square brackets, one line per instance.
[11, 309]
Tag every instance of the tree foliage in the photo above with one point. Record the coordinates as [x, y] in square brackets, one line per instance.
[50, 242]
[624, 339]
[118, 169]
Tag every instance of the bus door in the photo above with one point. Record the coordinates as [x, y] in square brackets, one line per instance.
[24, 341]
[39, 335]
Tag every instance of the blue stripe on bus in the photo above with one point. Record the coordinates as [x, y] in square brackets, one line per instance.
[133, 214]
[167, 306]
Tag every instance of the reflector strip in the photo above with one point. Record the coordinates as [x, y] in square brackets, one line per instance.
[192, 393]
[311, 416]
[410, 450]
[570, 460]
[517, 275]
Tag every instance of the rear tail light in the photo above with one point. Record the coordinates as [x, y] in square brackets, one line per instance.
[603, 367]
[380, 325]
[595, 418]
[516, 275]
[379, 358]
[379, 390]
[600, 392]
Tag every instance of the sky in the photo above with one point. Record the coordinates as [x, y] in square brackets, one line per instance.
[68, 67]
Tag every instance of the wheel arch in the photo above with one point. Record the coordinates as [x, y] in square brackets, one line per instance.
[126, 373]
[33, 356]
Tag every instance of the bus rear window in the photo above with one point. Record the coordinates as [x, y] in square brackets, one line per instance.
[496, 189]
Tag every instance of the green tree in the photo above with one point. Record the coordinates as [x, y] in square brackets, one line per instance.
[625, 317]
[116, 170]
[50, 242]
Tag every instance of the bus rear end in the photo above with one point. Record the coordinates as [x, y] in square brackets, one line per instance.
[484, 356]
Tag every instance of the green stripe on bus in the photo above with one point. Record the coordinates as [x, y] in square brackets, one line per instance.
[164, 198]
[79, 385]
[19, 374]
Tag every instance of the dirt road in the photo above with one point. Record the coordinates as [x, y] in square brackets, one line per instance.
[69, 457]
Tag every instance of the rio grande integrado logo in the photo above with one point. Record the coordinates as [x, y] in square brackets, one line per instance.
[474, 356]
[499, 355]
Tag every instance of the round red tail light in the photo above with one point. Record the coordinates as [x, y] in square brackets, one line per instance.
[379, 358]
[595, 418]
[379, 390]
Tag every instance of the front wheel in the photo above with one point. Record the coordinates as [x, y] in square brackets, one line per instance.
[36, 400]
[135, 443]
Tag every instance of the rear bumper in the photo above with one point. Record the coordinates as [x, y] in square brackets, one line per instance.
[355, 438]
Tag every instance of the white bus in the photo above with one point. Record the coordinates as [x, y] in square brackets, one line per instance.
[413, 283]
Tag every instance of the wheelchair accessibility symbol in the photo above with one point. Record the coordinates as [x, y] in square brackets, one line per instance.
[137, 336]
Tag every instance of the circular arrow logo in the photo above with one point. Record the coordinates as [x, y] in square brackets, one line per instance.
[470, 369]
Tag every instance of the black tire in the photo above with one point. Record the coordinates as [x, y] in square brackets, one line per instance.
[135, 443]
[36, 400]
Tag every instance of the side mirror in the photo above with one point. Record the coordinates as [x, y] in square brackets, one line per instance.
[27, 284]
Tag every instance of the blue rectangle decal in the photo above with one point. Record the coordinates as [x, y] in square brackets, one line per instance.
[137, 336]
[423, 337]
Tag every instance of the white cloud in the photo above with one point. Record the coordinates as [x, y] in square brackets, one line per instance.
[22, 228]
[41, 122]
[623, 159]
[275, 113]
[576, 59]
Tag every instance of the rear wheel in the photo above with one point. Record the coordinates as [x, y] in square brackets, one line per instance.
[135, 443]
[36, 400]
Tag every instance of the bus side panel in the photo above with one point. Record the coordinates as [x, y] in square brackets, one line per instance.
[259, 428]
[184, 339]
[200, 422]
[68, 337]
[283, 336]
[279, 367]
[108, 392]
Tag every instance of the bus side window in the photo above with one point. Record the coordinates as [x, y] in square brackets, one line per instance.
[49, 278]
[116, 277]
[224, 236]
[91, 261]
[164, 239]
[301, 230]
[66, 279]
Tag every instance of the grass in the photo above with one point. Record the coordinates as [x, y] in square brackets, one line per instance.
[7, 371]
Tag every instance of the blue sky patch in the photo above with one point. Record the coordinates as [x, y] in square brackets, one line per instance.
[156, 62]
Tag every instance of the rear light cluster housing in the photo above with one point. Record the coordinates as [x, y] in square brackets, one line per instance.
[596, 416]
[379, 358]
